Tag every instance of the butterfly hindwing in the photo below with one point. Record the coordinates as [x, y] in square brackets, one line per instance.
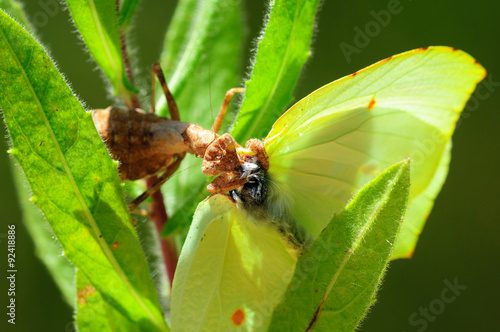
[232, 271]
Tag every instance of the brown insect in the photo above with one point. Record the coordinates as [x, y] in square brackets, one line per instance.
[146, 144]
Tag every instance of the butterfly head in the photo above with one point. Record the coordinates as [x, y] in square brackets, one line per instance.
[232, 164]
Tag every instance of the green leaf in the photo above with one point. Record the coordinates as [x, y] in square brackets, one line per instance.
[281, 54]
[202, 48]
[72, 178]
[46, 247]
[15, 9]
[127, 12]
[94, 314]
[201, 59]
[98, 24]
[335, 282]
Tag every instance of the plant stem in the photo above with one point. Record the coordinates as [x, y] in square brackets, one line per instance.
[160, 218]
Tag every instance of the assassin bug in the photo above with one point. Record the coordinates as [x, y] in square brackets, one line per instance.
[146, 144]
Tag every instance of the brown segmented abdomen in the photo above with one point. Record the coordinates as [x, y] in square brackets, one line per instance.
[143, 143]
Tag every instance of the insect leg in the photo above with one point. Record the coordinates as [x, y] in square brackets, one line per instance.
[132, 206]
[223, 108]
[172, 106]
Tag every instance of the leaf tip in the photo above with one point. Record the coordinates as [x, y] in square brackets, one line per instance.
[403, 166]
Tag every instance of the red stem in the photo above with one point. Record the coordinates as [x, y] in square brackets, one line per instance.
[160, 218]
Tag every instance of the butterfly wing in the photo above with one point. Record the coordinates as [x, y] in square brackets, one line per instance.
[227, 279]
[335, 140]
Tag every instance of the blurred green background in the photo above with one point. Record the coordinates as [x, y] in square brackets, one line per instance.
[460, 241]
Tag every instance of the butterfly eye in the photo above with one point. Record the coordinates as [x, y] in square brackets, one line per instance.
[256, 190]
[253, 193]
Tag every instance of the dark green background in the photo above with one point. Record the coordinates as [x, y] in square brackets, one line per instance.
[460, 238]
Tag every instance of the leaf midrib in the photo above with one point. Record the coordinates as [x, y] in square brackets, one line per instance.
[270, 96]
[361, 235]
[191, 45]
[87, 213]
[107, 50]
[191, 52]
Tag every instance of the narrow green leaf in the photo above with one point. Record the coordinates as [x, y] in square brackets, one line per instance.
[201, 58]
[94, 314]
[201, 52]
[15, 9]
[335, 282]
[73, 180]
[98, 24]
[46, 247]
[127, 12]
[281, 54]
